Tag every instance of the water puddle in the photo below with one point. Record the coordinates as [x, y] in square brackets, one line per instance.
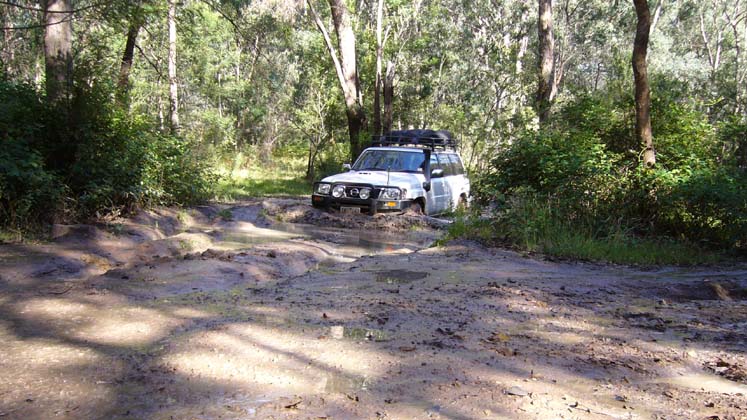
[358, 243]
[349, 244]
[344, 384]
[358, 334]
[400, 276]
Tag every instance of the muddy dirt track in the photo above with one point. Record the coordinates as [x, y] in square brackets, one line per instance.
[269, 309]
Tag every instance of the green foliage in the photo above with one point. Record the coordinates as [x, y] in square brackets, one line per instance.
[28, 190]
[109, 162]
[252, 178]
[574, 181]
[539, 223]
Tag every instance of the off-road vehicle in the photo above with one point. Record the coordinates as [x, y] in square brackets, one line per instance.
[417, 170]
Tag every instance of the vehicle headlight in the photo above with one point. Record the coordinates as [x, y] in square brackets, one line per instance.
[323, 188]
[338, 191]
[390, 193]
[365, 193]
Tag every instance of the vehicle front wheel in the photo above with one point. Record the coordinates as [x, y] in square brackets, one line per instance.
[415, 208]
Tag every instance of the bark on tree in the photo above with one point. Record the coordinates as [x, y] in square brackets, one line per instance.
[346, 69]
[173, 82]
[377, 82]
[388, 96]
[546, 82]
[58, 51]
[123, 83]
[643, 131]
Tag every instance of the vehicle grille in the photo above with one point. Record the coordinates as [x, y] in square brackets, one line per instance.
[352, 191]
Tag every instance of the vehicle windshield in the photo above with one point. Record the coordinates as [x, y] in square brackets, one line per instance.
[393, 160]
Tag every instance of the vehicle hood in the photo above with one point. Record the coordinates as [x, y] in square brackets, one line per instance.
[379, 178]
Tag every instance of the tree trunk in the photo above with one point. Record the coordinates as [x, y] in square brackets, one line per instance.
[173, 84]
[377, 83]
[388, 96]
[8, 51]
[346, 69]
[353, 95]
[642, 91]
[58, 49]
[123, 84]
[546, 74]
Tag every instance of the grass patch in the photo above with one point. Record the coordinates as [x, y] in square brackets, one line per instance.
[624, 249]
[263, 181]
[561, 239]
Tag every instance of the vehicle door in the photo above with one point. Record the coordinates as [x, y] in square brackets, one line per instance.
[457, 181]
[438, 184]
[434, 199]
[449, 176]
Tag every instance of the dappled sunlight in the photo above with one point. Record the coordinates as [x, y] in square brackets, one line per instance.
[101, 324]
[697, 380]
[299, 329]
[275, 361]
[187, 313]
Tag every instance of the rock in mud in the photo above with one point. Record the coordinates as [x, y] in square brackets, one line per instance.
[517, 391]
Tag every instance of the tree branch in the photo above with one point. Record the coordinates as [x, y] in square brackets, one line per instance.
[328, 42]
[155, 67]
[36, 9]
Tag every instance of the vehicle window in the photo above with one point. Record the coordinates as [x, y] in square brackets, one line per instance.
[456, 163]
[446, 164]
[393, 160]
[434, 162]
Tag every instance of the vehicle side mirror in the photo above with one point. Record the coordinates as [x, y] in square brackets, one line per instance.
[427, 186]
[346, 166]
[437, 173]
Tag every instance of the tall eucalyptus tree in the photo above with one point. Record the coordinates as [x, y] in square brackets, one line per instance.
[643, 130]
[346, 68]
[546, 86]
[58, 49]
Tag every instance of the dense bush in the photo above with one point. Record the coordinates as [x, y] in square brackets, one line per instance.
[28, 190]
[93, 161]
[584, 173]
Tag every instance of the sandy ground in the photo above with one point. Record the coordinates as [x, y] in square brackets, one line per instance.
[270, 309]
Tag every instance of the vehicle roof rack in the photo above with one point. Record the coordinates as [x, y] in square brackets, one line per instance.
[432, 139]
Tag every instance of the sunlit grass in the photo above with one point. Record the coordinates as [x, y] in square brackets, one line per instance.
[624, 249]
[576, 242]
[271, 180]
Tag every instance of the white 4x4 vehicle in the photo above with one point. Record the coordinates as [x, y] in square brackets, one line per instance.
[408, 169]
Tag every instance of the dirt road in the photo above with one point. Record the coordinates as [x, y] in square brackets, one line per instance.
[241, 312]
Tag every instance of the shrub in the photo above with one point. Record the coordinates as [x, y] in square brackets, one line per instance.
[574, 175]
[28, 190]
[92, 161]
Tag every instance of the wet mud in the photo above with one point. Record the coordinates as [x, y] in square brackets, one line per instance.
[271, 309]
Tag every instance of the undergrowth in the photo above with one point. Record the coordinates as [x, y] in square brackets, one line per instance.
[528, 231]
[89, 159]
[244, 178]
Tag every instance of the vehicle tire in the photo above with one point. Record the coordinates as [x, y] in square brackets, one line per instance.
[416, 208]
[462, 203]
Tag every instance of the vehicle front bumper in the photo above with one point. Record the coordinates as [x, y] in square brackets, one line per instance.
[327, 201]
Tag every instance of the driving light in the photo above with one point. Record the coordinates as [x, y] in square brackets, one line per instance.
[390, 193]
[323, 188]
[365, 193]
[338, 191]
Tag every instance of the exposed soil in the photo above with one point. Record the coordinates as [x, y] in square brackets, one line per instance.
[241, 312]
